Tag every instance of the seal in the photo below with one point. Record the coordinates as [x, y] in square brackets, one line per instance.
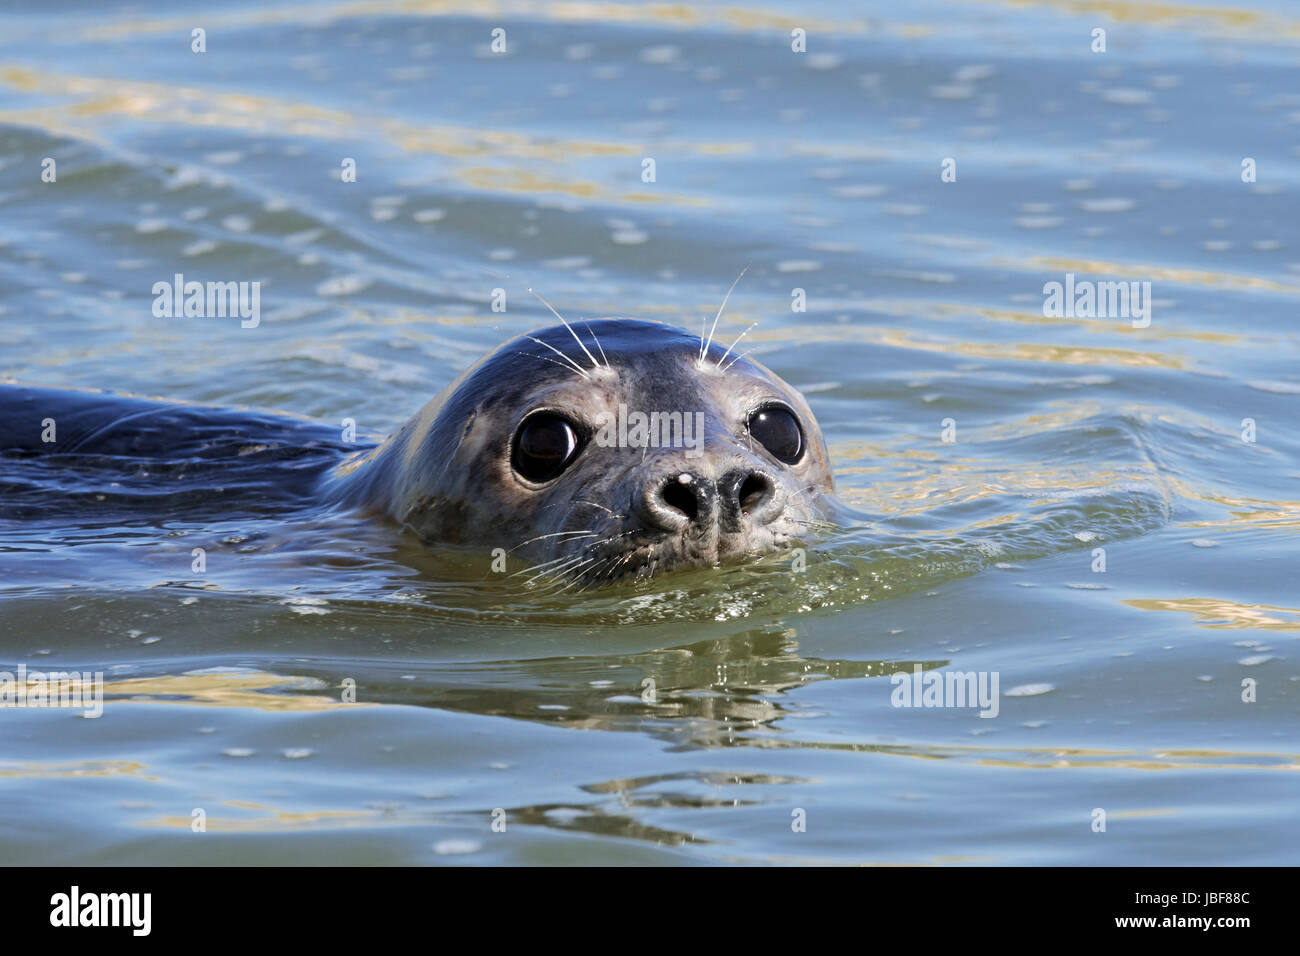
[629, 450]
[634, 449]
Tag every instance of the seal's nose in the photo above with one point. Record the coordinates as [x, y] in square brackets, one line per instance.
[688, 499]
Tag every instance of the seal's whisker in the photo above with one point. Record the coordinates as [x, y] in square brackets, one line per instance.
[704, 346]
[584, 501]
[555, 572]
[597, 341]
[594, 363]
[613, 537]
[738, 357]
[572, 364]
[567, 573]
[543, 566]
[805, 522]
[578, 576]
[733, 345]
[815, 523]
[592, 574]
[585, 571]
[622, 561]
[555, 534]
[805, 490]
[538, 567]
[552, 361]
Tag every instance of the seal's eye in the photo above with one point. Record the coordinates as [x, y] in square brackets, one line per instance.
[545, 445]
[777, 430]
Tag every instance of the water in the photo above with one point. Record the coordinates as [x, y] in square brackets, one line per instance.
[1120, 690]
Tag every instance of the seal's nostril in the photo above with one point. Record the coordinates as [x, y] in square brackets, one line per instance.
[682, 498]
[754, 491]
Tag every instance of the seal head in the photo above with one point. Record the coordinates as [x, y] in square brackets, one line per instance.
[611, 449]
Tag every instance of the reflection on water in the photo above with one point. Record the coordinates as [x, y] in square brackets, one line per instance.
[734, 692]
[1227, 614]
[1025, 489]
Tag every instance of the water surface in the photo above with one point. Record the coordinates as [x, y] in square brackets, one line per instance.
[477, 171]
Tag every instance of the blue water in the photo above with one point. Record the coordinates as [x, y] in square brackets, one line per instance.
[1172, 447]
